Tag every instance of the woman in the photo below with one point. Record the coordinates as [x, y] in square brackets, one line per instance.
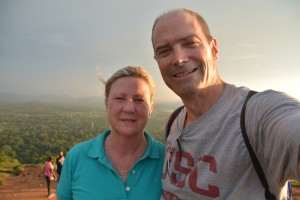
[59, 163]
[49, 175]
[124, 162]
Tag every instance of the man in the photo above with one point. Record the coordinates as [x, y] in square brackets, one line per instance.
[206, 156]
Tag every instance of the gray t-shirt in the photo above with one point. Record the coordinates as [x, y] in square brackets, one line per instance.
[214, 162]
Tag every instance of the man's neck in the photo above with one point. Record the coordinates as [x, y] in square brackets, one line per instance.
[201, 102]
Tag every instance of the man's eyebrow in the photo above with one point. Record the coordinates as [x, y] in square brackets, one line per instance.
[163, 46]
[166, 45]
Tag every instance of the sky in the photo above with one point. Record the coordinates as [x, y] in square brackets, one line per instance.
[55, 46]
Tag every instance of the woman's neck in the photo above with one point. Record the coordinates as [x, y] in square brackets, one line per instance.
[123, 154]
[125, 145]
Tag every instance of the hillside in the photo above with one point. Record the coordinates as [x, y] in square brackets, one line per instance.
[31, 130]
[12, 98]
[31, 185]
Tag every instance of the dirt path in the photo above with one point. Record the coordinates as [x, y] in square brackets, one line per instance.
[29, 185]
[296, 193]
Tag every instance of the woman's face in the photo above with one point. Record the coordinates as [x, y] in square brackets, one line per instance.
[128, 106]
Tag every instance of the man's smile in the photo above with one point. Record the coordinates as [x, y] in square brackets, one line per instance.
[185, 73]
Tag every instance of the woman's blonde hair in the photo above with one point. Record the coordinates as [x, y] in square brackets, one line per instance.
[131, 71]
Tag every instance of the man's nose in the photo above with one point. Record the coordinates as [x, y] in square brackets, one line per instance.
[179, 56]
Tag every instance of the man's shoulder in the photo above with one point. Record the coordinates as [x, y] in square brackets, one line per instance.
[272, 97]
[271, 105]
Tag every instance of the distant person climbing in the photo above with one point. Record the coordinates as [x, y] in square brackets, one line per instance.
[59, 163]
[49, 175]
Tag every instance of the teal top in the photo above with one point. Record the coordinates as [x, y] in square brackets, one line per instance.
[88, 174]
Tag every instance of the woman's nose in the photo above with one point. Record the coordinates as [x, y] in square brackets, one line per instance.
[129, 106]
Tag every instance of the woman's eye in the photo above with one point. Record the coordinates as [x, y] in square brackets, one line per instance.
[119, 98]
[139, 100]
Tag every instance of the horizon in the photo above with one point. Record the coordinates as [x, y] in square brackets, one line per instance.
[37, 98]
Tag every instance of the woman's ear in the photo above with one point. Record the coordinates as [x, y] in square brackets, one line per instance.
[106, 106]
[150, 109]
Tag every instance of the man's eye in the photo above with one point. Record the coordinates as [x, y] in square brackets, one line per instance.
[163, 52]
[191, 43]
[119, 98]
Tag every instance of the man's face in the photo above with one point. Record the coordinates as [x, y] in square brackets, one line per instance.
[185, 58]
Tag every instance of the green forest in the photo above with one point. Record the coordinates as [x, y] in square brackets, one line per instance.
[30, 132]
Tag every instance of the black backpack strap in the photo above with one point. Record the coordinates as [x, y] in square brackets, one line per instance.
[171, 120]
[257, 166]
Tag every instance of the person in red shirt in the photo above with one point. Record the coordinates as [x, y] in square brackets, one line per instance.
[49, 174]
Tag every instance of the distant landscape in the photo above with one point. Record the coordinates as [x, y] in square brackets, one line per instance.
[33, 127]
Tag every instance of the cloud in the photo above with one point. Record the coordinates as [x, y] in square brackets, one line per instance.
[243, 57]
[246, 45]
[244, 51]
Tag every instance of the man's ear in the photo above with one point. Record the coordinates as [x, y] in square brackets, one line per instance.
[154, 56]
[214, 48]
